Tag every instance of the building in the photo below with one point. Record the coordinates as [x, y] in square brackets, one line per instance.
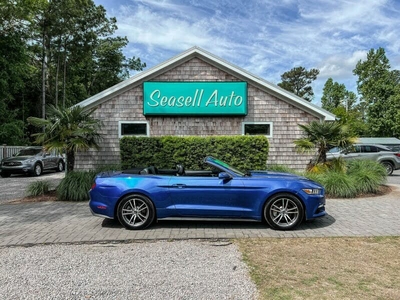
[198, 93]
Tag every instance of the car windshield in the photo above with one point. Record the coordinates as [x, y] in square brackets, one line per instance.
[28, 152]
[226, 166]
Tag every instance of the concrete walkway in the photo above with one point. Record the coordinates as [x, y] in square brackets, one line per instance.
[69, 222]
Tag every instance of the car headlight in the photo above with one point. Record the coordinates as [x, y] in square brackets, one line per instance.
[312, 191]
[29, 161]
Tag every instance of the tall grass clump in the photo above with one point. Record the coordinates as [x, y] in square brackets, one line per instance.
[75, 186]
[38, 188]
[355, 177]
[368, 175]
[339, 184]
[280, 168]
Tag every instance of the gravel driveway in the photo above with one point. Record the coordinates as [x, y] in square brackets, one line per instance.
[15, 186]
[189, 269]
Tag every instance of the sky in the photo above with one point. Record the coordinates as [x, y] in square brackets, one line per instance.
[264, 37]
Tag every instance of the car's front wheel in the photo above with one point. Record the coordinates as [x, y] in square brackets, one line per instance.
[136, 212]
[283, 211]
[37, 169]
[388, 166]
[60, 166]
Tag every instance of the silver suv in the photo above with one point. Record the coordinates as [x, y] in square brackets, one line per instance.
[382, 154]
[31, 160]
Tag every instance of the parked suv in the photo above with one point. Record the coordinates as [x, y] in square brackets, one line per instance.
[382, 154]
[31, 160]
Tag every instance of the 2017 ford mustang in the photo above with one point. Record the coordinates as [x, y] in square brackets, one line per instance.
[139, 197]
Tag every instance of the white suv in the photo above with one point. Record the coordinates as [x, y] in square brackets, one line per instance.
[382, 154]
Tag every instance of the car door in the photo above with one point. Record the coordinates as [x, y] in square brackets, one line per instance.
[353, 152]
[207, 196]
[47, 160]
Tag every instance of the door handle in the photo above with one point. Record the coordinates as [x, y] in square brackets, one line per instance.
[179, 185]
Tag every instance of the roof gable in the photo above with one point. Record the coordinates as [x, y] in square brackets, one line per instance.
[217, 62]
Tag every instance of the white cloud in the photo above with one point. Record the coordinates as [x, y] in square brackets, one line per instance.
[266, 37]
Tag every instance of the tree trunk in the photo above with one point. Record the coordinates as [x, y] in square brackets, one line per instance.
[44, 75]
[57, 72]
[70, 160]
[64, 73]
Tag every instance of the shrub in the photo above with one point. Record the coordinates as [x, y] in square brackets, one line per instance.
[38, 188]
[368, 175]
[244, 152]
[75, 186]
[339, 184]
[280, 168]
[345, 180]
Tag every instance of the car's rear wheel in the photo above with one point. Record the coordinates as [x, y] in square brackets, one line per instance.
[5, 175]
[388, 166]
[60, 166]
[283, 211]
[37, 169]
[136, 212]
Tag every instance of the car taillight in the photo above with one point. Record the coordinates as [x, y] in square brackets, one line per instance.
[397, 154]
[93, 185]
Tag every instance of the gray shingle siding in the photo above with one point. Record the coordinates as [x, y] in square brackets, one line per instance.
[262, 107]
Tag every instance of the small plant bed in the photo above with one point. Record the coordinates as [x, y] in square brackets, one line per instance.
[49, 196]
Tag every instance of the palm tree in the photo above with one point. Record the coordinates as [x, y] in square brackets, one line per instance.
[67, 129]
[323, 136]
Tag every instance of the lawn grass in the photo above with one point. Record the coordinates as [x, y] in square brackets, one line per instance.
[324, 268]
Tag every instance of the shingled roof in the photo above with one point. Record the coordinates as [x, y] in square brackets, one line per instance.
[196, 52]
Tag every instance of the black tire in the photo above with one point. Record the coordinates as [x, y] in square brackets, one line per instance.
[60, 166]
[388, 166]
[37, 169]
[136, 212]
[283, 211]
[5, 175]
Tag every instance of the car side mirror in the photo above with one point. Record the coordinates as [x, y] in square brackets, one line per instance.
[224, 176]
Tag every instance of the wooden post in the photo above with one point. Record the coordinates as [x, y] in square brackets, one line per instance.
[4, 150]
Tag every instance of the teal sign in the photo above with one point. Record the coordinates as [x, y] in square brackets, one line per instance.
[195, 98]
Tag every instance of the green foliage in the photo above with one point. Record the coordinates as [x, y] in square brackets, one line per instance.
[379, 87]
[369, 175]
[336, 95]
[38, 188]
[243, 152]
[356, 178]
[75, 186]
[322, 136]
[67, 46]
[280, 168]
[298, 81]
[70, 129]
[338, 184]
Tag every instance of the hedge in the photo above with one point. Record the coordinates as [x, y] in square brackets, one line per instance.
[244, 152]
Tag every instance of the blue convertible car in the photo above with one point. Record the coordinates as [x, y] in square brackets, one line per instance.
[137, 198]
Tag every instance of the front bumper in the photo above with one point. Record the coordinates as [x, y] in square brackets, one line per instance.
[315, 207]
[21, 169]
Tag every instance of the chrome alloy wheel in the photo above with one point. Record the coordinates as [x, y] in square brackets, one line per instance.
[135, 212]
[38, 169]
[284, 212]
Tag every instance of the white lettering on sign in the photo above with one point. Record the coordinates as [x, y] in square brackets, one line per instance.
[224, 100]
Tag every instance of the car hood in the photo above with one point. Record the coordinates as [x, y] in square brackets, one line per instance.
[18, 158]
